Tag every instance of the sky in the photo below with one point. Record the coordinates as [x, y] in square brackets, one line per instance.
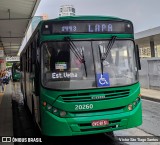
[145, 14]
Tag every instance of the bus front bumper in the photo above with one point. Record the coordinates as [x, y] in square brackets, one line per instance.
[52, 125]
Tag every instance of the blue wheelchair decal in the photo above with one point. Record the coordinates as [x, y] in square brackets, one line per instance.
[103, 80]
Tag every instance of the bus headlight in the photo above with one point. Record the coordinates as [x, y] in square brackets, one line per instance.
[54, 110]
[49, 107]
[63, 113]
[137, 100]
[133, 104]
[130, 107]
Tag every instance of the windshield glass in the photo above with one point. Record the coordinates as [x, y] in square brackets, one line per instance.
[118, 64]
[62, 69]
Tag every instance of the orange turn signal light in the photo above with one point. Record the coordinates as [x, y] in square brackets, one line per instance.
[44, 103]
[140, 95]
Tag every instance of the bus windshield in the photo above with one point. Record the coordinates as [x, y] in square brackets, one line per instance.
[63, 67]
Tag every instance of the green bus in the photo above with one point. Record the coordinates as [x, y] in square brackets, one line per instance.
[16, 75]
[80, 76]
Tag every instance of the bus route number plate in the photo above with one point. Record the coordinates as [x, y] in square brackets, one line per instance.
[100, 123]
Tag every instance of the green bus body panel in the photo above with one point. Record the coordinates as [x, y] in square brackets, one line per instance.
[49, 96]
[88, 18]
[85, 36]
[53, 125]
[67, 18]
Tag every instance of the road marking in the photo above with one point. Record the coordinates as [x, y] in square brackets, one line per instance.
[151, 101]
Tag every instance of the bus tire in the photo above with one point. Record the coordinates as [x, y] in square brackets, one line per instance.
[33, 112]
[25, 99]
[110, 134]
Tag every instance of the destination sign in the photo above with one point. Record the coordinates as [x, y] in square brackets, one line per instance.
[87, 27]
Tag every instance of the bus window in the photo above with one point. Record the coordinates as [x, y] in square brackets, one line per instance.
[62, 69]
[46, 56]
[119, 64]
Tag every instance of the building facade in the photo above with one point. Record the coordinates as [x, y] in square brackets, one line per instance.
[149, 42]
[149, 48]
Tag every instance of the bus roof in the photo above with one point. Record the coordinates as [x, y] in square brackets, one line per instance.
[86, 17]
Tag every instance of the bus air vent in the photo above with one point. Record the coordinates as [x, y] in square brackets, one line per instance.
[87, 97]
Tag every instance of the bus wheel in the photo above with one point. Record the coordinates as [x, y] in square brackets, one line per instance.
[25, 99]
[33, 112]
[109, 134]
[33, 116]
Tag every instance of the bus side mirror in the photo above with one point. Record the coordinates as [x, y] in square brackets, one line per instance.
[138, 58]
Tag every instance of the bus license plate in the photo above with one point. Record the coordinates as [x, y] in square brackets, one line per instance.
[100, 123]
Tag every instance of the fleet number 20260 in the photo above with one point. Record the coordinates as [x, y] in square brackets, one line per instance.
[84, 107]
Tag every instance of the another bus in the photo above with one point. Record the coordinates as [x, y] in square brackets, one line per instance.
[16, 75]
[80, 76]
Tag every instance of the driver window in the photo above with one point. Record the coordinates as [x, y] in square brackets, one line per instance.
[63, 60]
[46, 58]
[56, 57]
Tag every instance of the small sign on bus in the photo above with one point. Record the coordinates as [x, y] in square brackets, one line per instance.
[87, 26]
[100, 123]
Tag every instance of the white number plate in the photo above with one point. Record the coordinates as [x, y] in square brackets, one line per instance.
[84, 107]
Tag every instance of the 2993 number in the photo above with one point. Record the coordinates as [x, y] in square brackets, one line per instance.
[84, 107]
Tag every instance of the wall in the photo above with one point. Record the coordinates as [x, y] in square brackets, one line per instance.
[149, 75]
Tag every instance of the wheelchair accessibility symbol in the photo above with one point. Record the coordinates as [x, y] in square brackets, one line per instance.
[103, 80]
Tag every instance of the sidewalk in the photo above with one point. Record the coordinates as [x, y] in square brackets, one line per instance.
[148, 94]
[6, 125]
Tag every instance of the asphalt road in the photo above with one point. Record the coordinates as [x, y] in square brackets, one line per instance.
[151, 118]
[150, 126]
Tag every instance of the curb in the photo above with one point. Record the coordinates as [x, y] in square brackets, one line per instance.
[151, 99]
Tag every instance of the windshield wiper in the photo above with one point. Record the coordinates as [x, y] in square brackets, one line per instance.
[101, 59]
[76, 52]
[109, 46]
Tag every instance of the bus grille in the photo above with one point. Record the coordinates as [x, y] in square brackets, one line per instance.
[87, 97]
